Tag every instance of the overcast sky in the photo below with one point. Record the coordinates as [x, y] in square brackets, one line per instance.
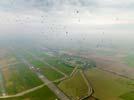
[58, 17]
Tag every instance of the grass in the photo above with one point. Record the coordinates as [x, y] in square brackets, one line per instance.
[129, 59]
[56, 62]
[41, 94]
[75, 87]
[46, 70]
[59, 65]
[108, 86]
[50, 73]
[128, 96]
[19, 78]
[38, 63]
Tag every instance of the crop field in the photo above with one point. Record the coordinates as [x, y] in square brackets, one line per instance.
[129, 59]
[18, 78]
[50, 73]
[36, 95]
[75, 87]
[38, 63]
[59, 65]
[128, 96]
[108, 86]
[54, 61]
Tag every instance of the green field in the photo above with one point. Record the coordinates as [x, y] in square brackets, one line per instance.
[75, 87]
[38, 64]
[54, 61]
[19, 78]
[108, 86]
[41, 94]
[50, 73]
[45, 69]
[128, 96]
[59, 65]
[129, 59]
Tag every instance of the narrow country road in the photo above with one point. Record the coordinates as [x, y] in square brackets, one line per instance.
[37, 58]
[48, 83]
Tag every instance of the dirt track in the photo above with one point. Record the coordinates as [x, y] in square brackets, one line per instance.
[113, 64]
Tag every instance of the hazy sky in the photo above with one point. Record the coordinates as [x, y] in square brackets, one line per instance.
[54, 18]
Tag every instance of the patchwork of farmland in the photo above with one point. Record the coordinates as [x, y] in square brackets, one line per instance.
[108, 86]
[50, 73]
[39, 94]
[18, 78]
[54, 61]
[63, 71]
[75, 87]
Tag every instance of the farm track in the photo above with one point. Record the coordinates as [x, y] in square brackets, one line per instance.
[23, 93]
[31, 90]
[112, 64]
[48, 64]
[115, 73]
[74, 70]
[91, 90]
[48, 83]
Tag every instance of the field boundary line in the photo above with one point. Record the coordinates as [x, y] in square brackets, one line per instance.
[90, 85]
[74, 70]
[90, 90]
[115, 73]
[24, 92]
[54, 68]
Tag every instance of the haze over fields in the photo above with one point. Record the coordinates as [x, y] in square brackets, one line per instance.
[59, 43]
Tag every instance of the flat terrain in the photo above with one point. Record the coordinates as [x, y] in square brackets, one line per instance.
[129, 59]
[128, 96]
[50, 73]
[18, 78]
[53, 60]
[108, 86]
[75, 87]
[21, 79]
[39, 94]
[23, 72]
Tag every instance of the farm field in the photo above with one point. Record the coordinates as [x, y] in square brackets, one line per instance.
[60, 65]
[75, 87]
[54, 61]
[128, 96]
[18, 78]
[129, 59]
[41, 66]
[36, 95]
[108, 86]
[50, 73]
